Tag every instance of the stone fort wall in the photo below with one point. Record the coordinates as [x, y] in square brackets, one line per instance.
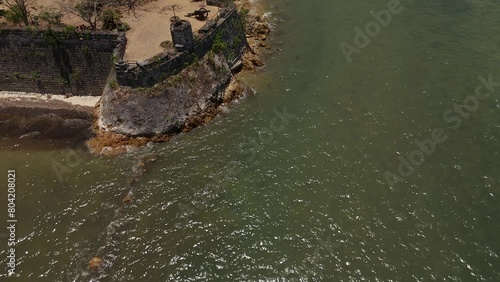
[225, 33]
[58, 61]
[81, 62]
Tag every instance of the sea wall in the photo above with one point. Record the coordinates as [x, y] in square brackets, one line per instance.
[58, 61]
[224, 33]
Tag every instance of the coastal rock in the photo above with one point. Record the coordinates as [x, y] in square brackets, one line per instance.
[262, 28]
[106, 150]
[248, 65]
[257, 26]
[30, 135]
[170, 105]
[53, 119]
[251, 60]
[127, 199]
[95, 263]
[76, 124]
[235, 90]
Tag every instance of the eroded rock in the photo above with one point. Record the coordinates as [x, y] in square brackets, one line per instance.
[30, 135]
[95, 263]
[167, 106]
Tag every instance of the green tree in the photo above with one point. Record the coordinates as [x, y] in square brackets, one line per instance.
[18, 11]
[111, 18]
[89, 11]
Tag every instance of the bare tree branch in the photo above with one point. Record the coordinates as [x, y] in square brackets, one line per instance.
[88, 10]
[20, 8]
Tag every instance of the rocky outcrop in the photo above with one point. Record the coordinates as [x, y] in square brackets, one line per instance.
[57, 61]
[36, 118]
[133, 117]
[167, 106]
[257, 31]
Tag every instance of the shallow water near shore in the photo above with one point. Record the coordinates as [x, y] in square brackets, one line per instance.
[312, 203]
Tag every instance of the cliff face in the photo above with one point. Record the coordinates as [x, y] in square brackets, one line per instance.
[168, 106]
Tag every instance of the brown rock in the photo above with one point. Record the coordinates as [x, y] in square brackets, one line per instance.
[127, 199]
[247, 64]
[251, 59]
[95, 263]
[257, 61]
[234, 91]
[262, 28]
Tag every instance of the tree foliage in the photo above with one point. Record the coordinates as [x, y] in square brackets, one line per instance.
[18, 11]
[89, 11]
[111, 18]
[95, 11]
[51, 17]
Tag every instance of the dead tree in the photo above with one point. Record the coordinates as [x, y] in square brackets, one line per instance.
[175, 8]
[132, 4]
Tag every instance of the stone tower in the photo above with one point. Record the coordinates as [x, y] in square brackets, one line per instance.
[182, 35]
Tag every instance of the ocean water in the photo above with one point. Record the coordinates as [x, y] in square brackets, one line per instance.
[309, 180]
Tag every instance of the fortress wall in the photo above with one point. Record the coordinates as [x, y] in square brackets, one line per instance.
[58, 61]
[228, 33]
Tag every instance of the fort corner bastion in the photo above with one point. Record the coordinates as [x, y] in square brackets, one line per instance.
[38, 65]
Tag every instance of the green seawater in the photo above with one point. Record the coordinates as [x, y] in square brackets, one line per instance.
[311, 201]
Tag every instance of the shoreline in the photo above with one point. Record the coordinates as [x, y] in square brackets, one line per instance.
[107, 142]
[30, 119]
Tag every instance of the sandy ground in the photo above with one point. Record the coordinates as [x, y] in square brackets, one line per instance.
[85, 101]
[150, 25]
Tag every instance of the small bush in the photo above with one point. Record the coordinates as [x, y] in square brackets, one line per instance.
[51, 16]
[113, 84]
[18, 75]
[85, 50]
[14, 15]
[123, 27]
[76, 76]
[244, 16]
[70, 32]
[218, 44]
[62, 81]
[111, 18]
[35, 75]
[52, 37]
